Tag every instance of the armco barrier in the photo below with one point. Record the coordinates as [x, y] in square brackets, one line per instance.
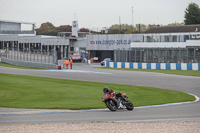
[163, 66]
[29, 64]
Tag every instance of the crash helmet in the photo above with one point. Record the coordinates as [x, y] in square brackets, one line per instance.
[119, 94]
[105, 89]
[111, 91]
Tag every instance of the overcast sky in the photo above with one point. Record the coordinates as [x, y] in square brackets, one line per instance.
[94, 14]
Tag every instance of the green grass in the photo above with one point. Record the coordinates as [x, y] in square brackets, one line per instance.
[20, 67]
[20, 91]
[176, 72]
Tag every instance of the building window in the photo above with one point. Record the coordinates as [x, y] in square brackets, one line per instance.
[166, 38]
[186, 37]
[198, 36]
[193, 36]
[149, 39]
[174, 38]
[156, 38]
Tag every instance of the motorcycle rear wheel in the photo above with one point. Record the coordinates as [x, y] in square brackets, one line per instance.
[112, 105]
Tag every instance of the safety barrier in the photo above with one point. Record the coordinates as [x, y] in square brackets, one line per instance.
[29, 64]
[164, 66]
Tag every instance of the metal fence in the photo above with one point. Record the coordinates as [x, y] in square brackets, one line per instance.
[29, 64]
[158, 55]
[30, 58]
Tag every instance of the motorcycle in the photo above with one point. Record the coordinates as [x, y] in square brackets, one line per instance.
[117, 101]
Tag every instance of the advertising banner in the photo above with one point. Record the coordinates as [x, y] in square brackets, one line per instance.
[112, 42]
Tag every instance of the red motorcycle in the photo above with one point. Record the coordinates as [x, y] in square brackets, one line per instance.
[117, 101]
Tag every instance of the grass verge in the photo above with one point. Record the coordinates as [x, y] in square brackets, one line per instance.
[20, 67]
[176, 72]
[20, 91]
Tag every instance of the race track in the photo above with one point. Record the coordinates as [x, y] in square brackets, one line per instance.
[182, 112]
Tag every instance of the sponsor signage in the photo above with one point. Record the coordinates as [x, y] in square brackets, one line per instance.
[111, 42]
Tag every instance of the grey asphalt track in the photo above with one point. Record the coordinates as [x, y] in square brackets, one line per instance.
[184, 112]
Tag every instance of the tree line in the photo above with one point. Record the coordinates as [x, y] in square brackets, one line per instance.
[49, 29]
[192, 16]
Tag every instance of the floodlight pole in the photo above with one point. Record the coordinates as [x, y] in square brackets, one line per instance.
[132, 16]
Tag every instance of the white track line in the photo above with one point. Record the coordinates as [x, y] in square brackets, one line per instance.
[92, 110]
[171, 104]
[77, 71]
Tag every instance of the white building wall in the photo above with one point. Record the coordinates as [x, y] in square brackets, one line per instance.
[8, 26]
[158, 44]
[75, 28]
[80, 43]
[35, 39]
[165, 44]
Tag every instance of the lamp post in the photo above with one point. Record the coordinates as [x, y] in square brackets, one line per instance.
[132, 16]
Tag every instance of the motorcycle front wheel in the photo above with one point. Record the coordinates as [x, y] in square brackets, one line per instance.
[112, 105]
[129, 105]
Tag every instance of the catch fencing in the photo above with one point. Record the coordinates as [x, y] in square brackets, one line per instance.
[32, 58]
[158, 55]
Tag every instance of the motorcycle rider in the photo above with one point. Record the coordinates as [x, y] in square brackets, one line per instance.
[106, 90]
[118, 96]
[119, 101]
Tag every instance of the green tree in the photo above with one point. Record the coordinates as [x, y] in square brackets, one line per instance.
[120, 29]
[49, 29]
[141, 27]
[192, 14]
[47, 25]
[176, 24]
[46, 29]
[64, 28]
[84, 30]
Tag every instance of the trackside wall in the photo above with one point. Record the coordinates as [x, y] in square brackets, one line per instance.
[163, 66]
